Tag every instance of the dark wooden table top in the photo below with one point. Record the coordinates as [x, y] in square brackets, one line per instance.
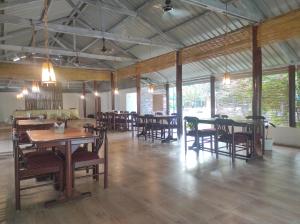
[50, 135]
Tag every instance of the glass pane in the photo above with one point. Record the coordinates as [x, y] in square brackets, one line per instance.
[131, 102]
[275, 98]
[172, 99]
[196, 100]
[235, 99]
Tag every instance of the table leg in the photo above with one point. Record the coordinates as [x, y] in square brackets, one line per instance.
[68, 190]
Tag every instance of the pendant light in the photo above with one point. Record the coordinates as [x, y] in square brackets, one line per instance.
[25, 91]
[35, 87]
[116, 90]
[48, 75]
[151, 88]
[19, 96]
[226, 77]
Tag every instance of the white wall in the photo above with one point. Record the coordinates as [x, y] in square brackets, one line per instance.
[120, 100]
[286, 136]
[9, 103]
[72, 100]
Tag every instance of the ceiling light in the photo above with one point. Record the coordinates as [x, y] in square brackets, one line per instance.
[16, 59]
[48, 75]
[25, 91]
[35, 87]
[19, 96]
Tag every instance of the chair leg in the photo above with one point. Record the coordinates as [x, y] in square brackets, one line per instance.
[94, 172]
[97, 173]
[61, 180]
[17, 194]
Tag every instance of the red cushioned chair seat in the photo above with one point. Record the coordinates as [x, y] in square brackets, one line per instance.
[42, 161]
[84, 156]
[41, 164]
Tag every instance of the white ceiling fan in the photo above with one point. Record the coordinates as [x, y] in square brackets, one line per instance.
[169, 11]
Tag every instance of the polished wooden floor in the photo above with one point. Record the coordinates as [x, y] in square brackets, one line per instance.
[155, 183]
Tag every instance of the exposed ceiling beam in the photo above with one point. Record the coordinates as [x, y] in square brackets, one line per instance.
[219, 7]
[112, 8]
[151, 25]
[33, 72]
[84, 32]
[21, 62]
[16, 3]
[106, 6]
[264, 12]
[62, 52]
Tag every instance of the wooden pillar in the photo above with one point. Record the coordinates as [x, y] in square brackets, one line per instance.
[167, 99]
[212, 96]
[256, 74]
[292, 95]
[84, 99]
[97, 98]
[113, 86]
[179, 91]
[138, 93]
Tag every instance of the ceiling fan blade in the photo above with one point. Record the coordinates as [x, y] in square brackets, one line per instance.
[179, 13]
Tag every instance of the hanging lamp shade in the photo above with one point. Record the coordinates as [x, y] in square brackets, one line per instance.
[226, 78]
[35, 87]
[48, 75]
[116, 91]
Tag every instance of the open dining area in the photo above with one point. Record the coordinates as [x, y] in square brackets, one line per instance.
[150, 111]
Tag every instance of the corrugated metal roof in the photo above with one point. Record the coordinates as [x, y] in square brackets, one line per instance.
[186, 25]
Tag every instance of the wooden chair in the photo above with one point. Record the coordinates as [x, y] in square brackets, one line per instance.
[191, 129]
[84, 159]
[33, 165]
[235, 141]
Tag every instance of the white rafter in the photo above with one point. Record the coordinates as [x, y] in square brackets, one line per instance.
[219, 7]
[106, 6]
[38, 50]
[84, 32]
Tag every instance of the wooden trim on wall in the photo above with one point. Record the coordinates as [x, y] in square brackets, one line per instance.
[33, 72]
[276, 29]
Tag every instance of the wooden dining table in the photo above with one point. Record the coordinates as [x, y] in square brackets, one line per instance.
[256, 127]
[71, 136]
[160, 119]
[34, 124]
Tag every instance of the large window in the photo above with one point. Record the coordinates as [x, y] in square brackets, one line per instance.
[131, 102]
[275, 98]
[298, 98]
[235, 99]
[196, 100]
[172, 100]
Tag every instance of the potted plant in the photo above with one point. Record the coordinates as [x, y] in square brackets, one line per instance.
[268, 140]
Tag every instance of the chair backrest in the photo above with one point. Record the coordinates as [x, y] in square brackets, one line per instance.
[158, 113]
[191, 123]
[223, 126]
[101, 133]
[256, 117]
